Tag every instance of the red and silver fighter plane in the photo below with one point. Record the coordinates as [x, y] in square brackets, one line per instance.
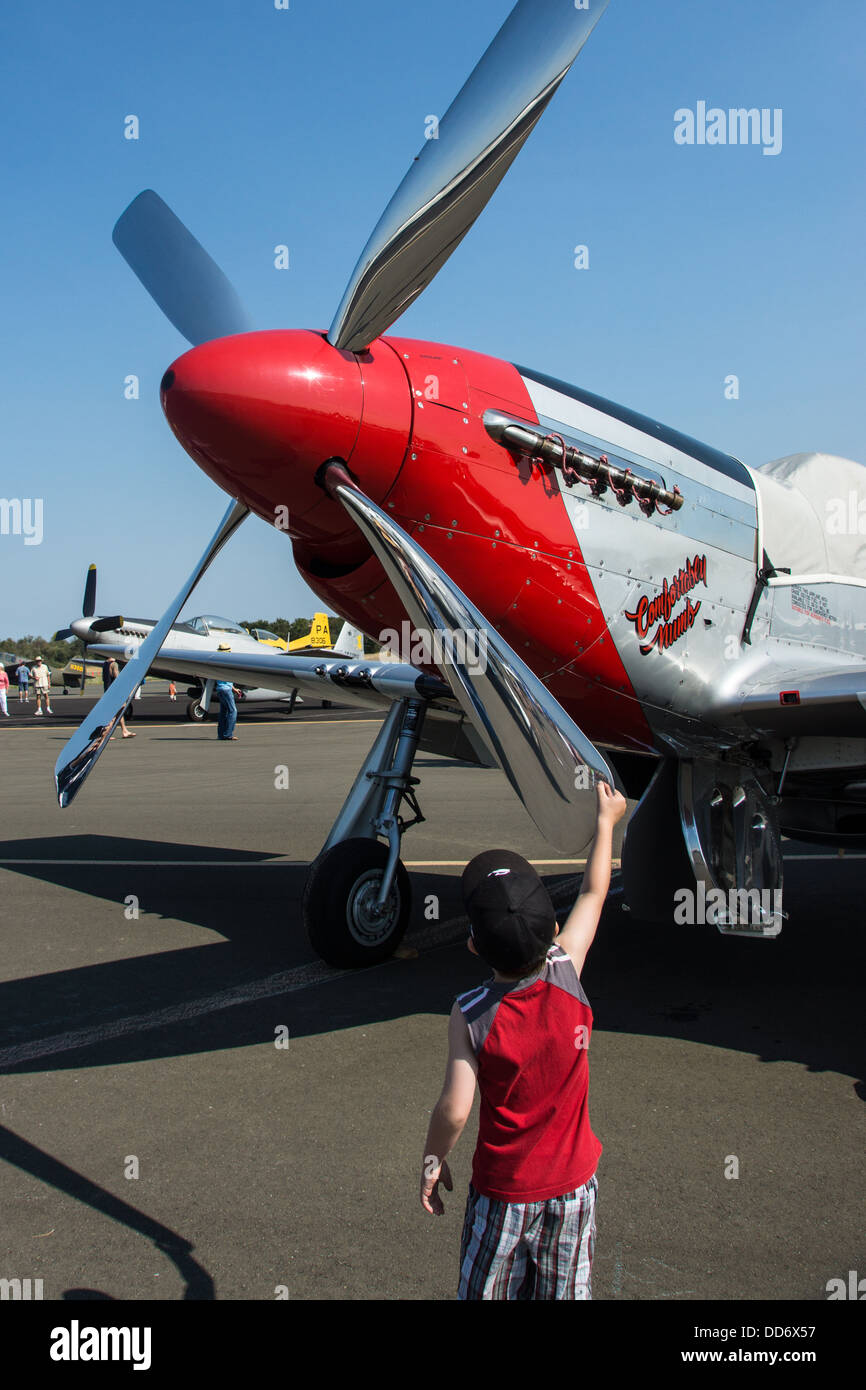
[591, 594]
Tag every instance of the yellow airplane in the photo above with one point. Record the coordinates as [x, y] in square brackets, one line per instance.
[79, 670]
[319, 635]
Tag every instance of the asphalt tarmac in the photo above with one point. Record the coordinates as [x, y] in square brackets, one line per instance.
[191, 1105]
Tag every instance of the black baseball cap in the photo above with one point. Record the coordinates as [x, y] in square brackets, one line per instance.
[512, 918]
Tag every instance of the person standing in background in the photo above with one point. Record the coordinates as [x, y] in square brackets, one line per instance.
[224, 691]
[4, 689]
[22, 675]
[42, 679]
[110, 672]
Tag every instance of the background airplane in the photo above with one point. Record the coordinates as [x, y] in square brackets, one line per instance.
[119, 637]
[600, 595]
[349, 643]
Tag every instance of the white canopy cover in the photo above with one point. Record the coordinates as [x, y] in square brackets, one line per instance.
[812, 515]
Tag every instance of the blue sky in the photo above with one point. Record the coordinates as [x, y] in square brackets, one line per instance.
[261, 127]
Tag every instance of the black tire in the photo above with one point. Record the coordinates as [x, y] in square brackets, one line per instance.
[195, 712]
[340, 887]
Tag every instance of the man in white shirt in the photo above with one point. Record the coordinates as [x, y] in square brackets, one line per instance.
[42, 678]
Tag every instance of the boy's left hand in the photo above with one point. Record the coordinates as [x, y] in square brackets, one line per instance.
[430, 1180]
[610, 805]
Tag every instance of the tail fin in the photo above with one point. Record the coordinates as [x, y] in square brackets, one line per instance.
[350, 642]
[319, 634]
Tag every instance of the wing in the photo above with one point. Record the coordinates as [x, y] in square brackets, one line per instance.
[372, 684]
[794, 703]
[375, 684]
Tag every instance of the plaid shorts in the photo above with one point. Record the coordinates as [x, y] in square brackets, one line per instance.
[528, 1250]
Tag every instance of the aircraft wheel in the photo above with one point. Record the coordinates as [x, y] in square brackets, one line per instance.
[195, 712]
[339, 899]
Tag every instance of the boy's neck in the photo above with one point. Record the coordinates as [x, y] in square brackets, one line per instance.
[514, 979]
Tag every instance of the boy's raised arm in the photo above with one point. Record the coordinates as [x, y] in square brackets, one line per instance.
[579, 931]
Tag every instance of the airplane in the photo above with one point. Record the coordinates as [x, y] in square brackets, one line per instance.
[78, 671]
[349, 643]
[119, 637]
[11, 661]
[589, 594]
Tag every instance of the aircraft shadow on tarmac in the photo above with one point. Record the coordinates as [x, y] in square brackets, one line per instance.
[198, 1284]
[796, 998]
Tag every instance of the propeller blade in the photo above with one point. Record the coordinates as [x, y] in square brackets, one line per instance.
[62, 635]
[177, 272]
[88, 606]
[548, 760]
[86, 744]
[112, 624]
[456, 173]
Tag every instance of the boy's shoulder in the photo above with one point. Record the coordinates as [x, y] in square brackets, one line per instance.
[474, 1001]
[557, 969]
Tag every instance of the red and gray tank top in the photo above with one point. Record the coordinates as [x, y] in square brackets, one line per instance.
[531, 1038]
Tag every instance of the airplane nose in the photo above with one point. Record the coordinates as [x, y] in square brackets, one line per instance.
[254, 410]
[260, 412]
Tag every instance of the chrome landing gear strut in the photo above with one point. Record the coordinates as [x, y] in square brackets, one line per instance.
[357, 897]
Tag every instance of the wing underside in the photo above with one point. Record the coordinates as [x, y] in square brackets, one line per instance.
[373, 683]
[795, 704]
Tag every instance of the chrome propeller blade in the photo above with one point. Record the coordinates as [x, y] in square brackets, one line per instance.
[454, 176]
[547, 759]
[177, 272]
[86, 744]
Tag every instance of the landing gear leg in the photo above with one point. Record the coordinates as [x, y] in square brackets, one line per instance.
[732, 835]
[198, 708]
[357, 897]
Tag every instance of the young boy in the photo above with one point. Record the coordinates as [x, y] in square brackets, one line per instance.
[529, 1229]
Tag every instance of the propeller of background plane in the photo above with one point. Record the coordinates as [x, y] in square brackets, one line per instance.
[435, 205]
[88, 608]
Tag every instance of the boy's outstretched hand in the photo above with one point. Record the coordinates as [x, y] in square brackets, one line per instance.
[430, 1180]
[610, 805]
